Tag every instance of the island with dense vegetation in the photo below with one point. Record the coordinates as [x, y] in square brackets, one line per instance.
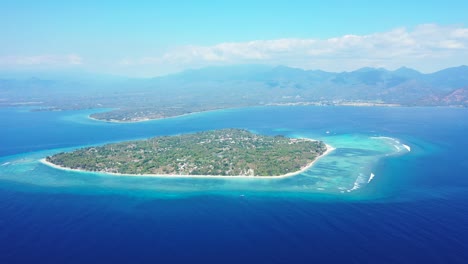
[225, 152]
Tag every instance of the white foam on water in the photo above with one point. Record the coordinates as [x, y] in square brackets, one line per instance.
[6, 163]
[407, 147]
[381, 137]
[360, 180]
[372, 175]
[397, 144]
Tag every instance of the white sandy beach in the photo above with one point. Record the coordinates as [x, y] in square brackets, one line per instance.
[145, 119]
[119, 121]
[329, 149]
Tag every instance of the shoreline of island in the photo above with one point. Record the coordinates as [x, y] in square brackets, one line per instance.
[146, 119]
[307, 167]
[123, 122]
[352, 104]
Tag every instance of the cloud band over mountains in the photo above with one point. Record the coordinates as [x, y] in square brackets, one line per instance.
[47, 60]
[426, 47]
[428, 43]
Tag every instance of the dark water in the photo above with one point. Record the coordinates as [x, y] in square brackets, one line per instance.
[414, 211]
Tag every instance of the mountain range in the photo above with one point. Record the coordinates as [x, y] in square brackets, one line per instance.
[240, 85]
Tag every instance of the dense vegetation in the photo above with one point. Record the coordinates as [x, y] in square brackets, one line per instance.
[220, 152]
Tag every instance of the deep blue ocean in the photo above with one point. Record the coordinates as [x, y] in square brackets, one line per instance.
[414, 209]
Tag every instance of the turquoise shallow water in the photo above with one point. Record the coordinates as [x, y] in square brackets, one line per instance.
[346, 169]
[414, 210]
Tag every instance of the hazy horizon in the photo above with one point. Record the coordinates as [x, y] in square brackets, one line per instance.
[50, 73]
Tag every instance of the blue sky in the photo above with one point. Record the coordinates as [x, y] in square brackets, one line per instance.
[148, 38]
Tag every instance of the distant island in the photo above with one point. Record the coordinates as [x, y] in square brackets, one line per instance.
[225, 152]
[140, 115]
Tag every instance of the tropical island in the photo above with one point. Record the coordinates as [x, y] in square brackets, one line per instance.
[225, 152]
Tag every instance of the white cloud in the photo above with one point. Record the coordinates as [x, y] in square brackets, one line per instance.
[74, 59]
[41, 60]
[426, 47]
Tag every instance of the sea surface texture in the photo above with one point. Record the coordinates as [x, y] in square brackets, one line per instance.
[394, 190]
